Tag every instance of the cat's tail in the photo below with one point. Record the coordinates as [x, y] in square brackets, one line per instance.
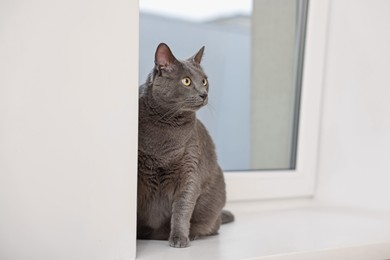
[226, 216]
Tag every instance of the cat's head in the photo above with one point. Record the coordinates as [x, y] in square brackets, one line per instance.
[180, 84]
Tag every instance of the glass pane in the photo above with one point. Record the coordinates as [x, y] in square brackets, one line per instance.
[254, 53]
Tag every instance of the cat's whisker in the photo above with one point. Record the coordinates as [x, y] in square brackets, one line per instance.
[174, 110]
[212, 110]
[178, 108]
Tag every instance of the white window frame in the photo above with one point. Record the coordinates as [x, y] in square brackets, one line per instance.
[301, 181]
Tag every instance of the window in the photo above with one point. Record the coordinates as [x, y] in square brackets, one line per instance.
[265, 128]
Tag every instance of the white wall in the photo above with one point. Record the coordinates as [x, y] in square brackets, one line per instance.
[67, 143]
[355, 140]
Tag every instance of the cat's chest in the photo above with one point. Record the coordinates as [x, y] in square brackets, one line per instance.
[157, 183]
[165, 145]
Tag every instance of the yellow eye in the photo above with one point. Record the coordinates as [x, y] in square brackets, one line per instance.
[204, 82]
[186, 81]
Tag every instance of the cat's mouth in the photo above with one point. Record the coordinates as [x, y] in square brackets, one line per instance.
[196, 104]
[194, 107]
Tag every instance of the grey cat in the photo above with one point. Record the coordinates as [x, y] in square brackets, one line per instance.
[181, 188]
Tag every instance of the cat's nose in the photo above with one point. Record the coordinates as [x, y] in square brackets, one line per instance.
[203, 95]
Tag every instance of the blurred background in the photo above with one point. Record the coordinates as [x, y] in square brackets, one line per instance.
[254, 71]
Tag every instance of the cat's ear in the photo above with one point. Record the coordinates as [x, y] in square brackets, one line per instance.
[197, 58]
[164, 58]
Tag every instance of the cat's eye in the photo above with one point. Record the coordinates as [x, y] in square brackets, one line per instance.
[186, 81]
[204, 82]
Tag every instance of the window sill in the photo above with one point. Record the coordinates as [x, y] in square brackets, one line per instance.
[298, 229]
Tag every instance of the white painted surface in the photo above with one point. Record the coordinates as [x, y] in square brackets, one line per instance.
[58, 177]
[355, 139]
[68, 141]
[287, 230]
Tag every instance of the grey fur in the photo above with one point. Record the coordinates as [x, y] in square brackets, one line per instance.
[181, 188]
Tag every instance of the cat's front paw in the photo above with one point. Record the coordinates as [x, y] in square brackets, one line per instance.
[179, 241]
